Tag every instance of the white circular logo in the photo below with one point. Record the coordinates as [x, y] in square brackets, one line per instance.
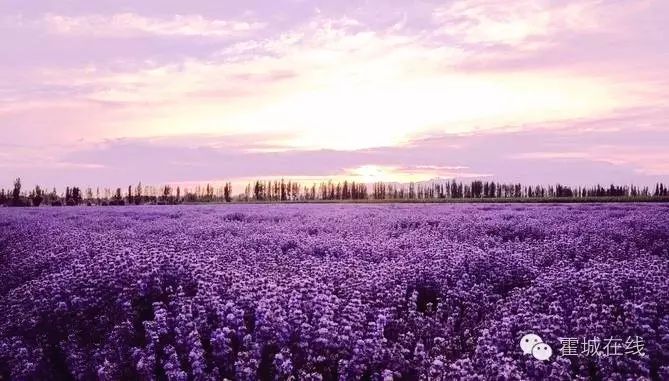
[528, 341]
[542, 351]
[532, 344]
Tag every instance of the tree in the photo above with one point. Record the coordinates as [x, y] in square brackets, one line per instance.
[247, 192]
[282, 186]
[89, 196]
[68, 196]
[53, 198]
[129, 195]
[477, 188]
[138, 193]
[76, 196]
[209, 193]
[454, 189]
[257, 190]
[37, 196]
[167, 192]
[117, 199]
[227, 192]
[296, 190]
[16, 193]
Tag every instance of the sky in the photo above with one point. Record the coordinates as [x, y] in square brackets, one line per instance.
[112, 92]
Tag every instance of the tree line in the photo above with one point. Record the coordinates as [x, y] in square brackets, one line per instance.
[293, 191]
[137, 195]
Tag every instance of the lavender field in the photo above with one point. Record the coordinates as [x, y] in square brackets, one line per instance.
[331, 292]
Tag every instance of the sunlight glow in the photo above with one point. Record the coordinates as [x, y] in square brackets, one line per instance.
[354, 116]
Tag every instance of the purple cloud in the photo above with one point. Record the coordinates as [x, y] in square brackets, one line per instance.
[577, 153]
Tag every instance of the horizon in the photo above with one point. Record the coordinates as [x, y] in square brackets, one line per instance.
[435, 189]
[528, 91]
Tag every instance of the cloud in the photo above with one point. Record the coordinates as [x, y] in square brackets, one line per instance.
[325, 81]
[574, 152]
[131, 25]
[522, 24]
[590, 36]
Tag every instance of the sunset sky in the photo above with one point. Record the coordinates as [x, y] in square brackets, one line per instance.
[163, 91]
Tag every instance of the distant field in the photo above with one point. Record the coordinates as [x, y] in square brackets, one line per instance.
[332, 292]
[511, 200]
